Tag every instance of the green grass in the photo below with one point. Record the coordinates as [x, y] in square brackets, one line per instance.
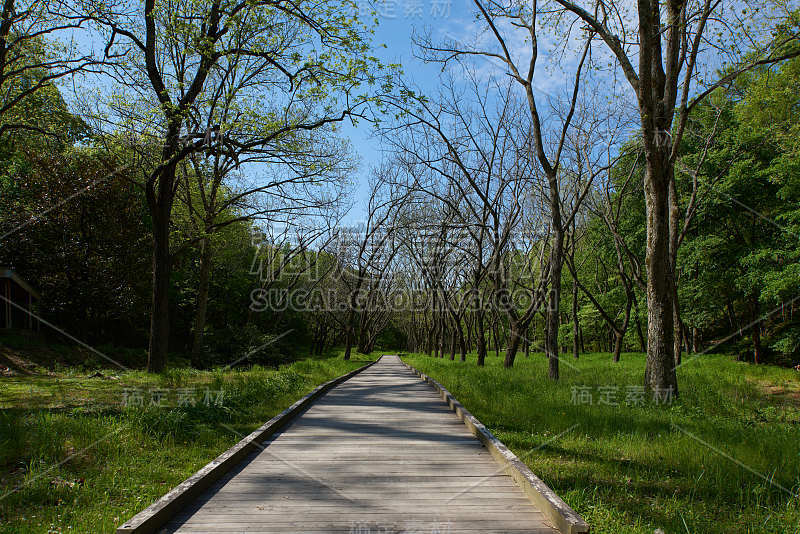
[81, 461]
[635, 468]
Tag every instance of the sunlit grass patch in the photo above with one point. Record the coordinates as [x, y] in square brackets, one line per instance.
[83, 461]
[723, 457]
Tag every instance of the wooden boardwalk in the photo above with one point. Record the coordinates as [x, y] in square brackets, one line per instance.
[380, 453]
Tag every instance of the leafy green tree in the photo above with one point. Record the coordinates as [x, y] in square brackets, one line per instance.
[662, 52]
[741, 259]
[75, 232]
[38, 49]
[307, 66]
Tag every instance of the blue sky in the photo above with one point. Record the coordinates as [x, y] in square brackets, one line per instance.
[448, 20]
[398, 20]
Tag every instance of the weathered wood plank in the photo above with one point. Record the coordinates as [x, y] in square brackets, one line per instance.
[378, 453]
[565, 518]
[155, 515]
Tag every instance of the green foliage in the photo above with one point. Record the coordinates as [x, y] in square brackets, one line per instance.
[740, 257]
[632, 469]
[90, 256]
[111, 463]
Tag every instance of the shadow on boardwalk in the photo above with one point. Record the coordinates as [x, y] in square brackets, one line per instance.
[378, 453]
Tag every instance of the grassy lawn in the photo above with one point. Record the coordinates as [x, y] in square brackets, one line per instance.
[82, 454]
[641, 466]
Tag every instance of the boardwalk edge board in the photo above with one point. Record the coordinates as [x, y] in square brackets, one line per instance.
[151, 518]
[552, 506]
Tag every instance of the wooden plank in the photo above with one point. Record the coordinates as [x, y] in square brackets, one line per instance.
[363, 526]
[152, 517]
[565, 518]
[378, 453]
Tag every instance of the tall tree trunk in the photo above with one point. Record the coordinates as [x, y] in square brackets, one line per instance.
[348, 343]
[440, 340]
[468, 341]
[462, 345]
[160, 210]
[686, 341]
[432, 336]
[363, 333]
[731, 314]
[513, 344]
[159, 319]
[201, 304]
[545, 331]
[660, 370]
[496, 335]
[620, 333]
[757, 343]
[674, 216]
[640, 334]
[554, 298]
[678, 329]
[617, 345]
[481, 340]
[319, 338]
[575, 326]
[757, 353]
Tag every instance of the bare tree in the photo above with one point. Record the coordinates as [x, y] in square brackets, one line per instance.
[364, 255]
[440, 250]
[465, 158]
[548, 132]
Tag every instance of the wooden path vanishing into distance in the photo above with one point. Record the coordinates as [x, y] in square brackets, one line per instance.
[379, 453]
